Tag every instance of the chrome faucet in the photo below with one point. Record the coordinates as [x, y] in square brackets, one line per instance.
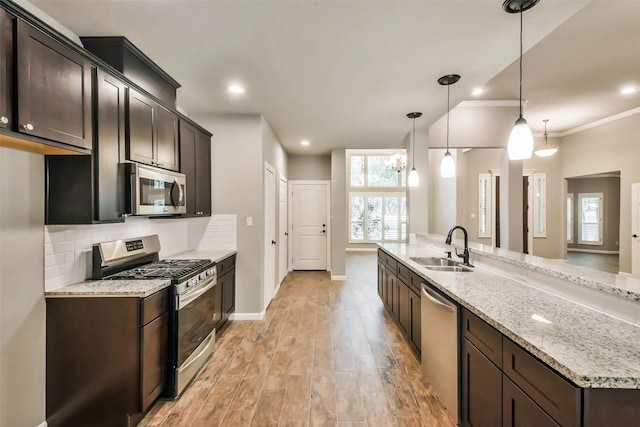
[465, 254]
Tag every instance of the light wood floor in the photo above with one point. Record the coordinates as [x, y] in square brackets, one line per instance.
[325, 354]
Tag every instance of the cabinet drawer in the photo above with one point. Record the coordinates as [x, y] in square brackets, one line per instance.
[550, 391]
[483, 336]
[404, 273]
[415, 282]
[154, 305]
[392, 264]
[224, 266]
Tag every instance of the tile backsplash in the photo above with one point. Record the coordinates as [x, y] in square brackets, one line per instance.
[68, 248]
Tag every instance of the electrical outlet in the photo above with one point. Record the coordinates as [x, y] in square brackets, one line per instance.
[249, 221]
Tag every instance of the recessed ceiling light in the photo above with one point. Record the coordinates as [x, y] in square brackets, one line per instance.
[304, 142]
[477, 91]
[628, 90]
[236, 89]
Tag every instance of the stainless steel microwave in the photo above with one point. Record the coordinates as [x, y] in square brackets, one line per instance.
[153, 191]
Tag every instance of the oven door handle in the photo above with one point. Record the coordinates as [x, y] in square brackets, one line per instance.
[186, 299]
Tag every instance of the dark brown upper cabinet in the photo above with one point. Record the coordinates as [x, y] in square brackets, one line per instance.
[195, 163]
[88, 189]
[153, 133]
[54, 86]
[6, 69]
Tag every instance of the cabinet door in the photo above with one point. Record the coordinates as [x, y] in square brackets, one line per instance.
[109, 150]
[392, 293]
[6, 69]
[203, 174]
[142, 137]
[153, 374]
[381, 278]
[403, 306]
[229, 294]
[187, 164]
[518, 410]
[166, 151]
[415, 334]
[54, 89]
[481, 389]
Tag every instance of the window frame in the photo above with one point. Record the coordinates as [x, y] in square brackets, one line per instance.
[570, 218]
[600, 196]
[366, 191]
[539, 212]
[487, 206]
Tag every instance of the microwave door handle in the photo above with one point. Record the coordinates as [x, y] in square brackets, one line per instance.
[180, 193]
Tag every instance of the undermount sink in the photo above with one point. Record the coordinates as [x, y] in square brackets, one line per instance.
[441, 264]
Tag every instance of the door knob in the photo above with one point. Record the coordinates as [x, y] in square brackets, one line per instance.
[324, 231]
[286, 234]
[273, 242]
[635, 235]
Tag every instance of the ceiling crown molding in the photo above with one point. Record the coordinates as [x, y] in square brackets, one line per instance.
[600, 122]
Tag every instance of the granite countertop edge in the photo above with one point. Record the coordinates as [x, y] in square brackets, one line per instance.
[584, 381]
[110, 288]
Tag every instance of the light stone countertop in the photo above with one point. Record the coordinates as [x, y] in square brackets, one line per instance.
[110, 288]
[591, 349]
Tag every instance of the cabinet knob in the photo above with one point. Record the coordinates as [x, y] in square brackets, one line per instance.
[4, 120]
[28, 126]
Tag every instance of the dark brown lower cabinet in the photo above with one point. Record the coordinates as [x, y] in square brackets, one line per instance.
[520, 411]
[481, 389]
[226, 293]
[400, 299]
[106, 358]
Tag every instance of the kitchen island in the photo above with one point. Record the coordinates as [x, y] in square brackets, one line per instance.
[518, 297]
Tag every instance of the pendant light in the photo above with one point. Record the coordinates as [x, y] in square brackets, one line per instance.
[413, 179]
[448, 165]
[520, 144]
[546, 150]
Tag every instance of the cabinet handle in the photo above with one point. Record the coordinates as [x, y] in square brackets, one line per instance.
[4, 120]
[28, 126]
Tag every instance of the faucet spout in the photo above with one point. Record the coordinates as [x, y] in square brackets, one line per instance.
[464, 255]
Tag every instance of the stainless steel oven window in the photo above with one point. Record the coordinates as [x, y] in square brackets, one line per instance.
[197, 316]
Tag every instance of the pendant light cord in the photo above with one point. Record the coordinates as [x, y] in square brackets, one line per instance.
[413, 149]
[521, 62]
[448, 86]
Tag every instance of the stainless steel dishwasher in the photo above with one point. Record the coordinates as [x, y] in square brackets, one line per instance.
[440, 347]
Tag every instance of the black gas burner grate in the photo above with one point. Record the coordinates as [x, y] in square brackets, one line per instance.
[168, 268]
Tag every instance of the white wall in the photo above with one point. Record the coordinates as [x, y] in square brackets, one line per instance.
[22, 305]
[418, 197]
[338, 212]
[442, 195]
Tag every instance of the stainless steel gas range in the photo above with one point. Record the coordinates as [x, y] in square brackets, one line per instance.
[193, 311]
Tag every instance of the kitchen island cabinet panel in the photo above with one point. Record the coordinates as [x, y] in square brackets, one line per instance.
[415, 316]
[153, 354]
[481, 389]
[54, 89]
[520, 411]
[226, 293]
[403, 306]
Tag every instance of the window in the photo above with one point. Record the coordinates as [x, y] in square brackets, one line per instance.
[570, 218]
[539, 205]
[590, 218]
[484, 205]
[377, 196]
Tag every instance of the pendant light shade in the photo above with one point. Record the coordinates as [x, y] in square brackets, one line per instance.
[520, 145]
[414, 179]
[448, 165]
[546, 150]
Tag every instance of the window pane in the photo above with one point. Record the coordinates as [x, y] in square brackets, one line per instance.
[590, 213]
[357, 171]
[381, 171]
[391, 218]
[357, 218]
[374, 209]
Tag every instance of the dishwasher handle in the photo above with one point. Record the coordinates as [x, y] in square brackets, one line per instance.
[436, 299]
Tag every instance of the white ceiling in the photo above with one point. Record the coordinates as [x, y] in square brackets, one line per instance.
[345, 73]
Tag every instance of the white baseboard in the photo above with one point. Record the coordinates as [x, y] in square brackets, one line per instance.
[339, 278]
[247, 316]
[43, 424]
[593, 251]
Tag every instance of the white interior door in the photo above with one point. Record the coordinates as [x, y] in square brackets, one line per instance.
[283, 243]
[309, 225]
[269, 233]
[635, 230]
